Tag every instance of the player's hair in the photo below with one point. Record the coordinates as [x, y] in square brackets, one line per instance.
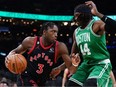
[82, 8]
[85, 12]
[46, 26]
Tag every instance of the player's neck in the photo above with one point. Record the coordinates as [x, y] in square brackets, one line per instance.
[45, 42]
[84, 25]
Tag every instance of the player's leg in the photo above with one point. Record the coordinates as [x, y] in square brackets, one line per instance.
[24, 81]
[72, 84]
[99, 76]
[90, 82]
[80, 76]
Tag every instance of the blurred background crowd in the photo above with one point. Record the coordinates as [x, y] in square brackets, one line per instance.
[15, 27]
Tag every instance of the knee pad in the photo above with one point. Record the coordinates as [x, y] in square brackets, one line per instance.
[72, 84]
[90, 82]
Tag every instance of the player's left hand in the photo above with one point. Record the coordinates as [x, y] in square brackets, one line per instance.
[75, 59]
[114, 85]
[55, 72]
[93, 7]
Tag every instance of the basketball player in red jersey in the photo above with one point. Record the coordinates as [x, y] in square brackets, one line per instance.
[43, 53]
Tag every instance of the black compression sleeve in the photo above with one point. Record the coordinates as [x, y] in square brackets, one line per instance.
[109, 23]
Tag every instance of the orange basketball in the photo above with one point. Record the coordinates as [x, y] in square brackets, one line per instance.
[17, 63]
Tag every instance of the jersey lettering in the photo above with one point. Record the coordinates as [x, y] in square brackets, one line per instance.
[40, 68]
[85, 50]
[85, 37]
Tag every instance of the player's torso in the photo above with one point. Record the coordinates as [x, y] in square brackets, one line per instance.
[92, 46]
[41, 60]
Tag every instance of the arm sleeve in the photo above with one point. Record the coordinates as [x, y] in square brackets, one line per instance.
[109, 23]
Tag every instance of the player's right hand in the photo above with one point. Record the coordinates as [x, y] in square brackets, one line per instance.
[55, 72]
[7, 58]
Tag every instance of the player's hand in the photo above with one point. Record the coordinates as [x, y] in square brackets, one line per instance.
[93, 7]
[7, 58]
[75, 59]
[114, 85]
[55, 72]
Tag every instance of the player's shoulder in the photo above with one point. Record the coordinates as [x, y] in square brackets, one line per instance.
[98, 22]
[29, 39]
[62, 48]
[60, 43]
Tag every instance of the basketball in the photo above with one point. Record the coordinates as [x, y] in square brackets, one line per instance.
[17, 63]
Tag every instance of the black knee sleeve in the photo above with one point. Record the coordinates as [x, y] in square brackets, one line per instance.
[72, 84]
[90, 82]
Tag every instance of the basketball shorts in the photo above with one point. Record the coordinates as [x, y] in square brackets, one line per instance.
[100, 71]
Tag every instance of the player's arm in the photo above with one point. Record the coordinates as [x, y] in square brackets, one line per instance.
[108, 22]
[113, 78]
[74, 48]
[63, 52]
[65, 75]
[26, 43]
[68, 59]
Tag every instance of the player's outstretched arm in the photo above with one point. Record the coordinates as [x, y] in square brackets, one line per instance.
[109, 23]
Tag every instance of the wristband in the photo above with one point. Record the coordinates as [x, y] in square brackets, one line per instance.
[75, 65]
[104, 18]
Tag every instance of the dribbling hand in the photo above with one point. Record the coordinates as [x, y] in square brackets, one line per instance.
[7, 58]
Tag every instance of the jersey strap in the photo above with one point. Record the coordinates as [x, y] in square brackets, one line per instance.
[35, 41]
[56, 51]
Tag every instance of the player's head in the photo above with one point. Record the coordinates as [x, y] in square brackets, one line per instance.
[82, 14]
[49, 31]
